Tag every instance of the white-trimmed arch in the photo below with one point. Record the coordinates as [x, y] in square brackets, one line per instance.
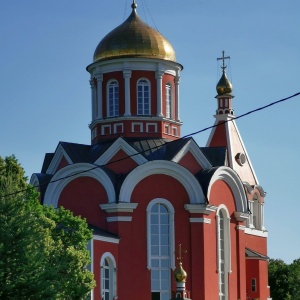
[162, 167]
[171, 211]
[72, 172]
[112, 276]
[234, 182]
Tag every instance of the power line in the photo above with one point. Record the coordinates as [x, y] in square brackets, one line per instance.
[156, 147]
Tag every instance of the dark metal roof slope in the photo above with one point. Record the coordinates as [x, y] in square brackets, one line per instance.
[174, 147]
[103, 233]
[251, 254]
[47, 161]
[152, 149]
[217, 156]
[204, 178]
[77, 152]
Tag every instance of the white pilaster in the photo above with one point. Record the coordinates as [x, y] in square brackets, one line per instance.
[159, 75]
[127, 76]
[93, 98]
[177, 81]
[98, 108]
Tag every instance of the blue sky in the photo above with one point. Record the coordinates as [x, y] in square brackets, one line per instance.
[45, 92]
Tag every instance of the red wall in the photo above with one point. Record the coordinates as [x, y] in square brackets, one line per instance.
[83, 196]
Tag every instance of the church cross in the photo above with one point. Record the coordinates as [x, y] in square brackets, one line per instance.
[180, 252]
[223, 58]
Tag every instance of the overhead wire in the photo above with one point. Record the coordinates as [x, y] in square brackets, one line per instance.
[154, 147]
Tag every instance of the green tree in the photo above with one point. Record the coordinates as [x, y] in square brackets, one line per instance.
[284, 279]
[42, 249]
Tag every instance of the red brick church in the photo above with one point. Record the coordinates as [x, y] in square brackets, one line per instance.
[144, 190]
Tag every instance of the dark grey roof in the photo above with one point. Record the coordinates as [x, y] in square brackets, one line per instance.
[251, 254]
[47, 161]
[103, 233]
[217, 156]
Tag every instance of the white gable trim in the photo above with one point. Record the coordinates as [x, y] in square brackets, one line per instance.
[60, 152]
[118, 145]
[71, 172]
[192, 147]
[185, 177]
[232, 179]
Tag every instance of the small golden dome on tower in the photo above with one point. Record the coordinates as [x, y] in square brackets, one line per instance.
[179, 274]
[134, 38]
[224, 86]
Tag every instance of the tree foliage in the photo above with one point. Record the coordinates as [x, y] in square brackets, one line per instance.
[284, 279]
[43, 250]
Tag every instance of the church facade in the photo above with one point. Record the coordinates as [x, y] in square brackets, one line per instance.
[144, 190]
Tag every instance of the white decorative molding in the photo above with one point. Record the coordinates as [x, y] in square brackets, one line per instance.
[60, 152]
[151, 124]
[200, 220]
[194, 149]
[235, 184]
[241, 216]
[116, 125]
[34, 181]
[119, 207]
[241, 227]
[252, 231]
[72, 172]
[118, 145]
[103, 127]
[106, 239]
[133, 124]
[119, 219]
[200, 208]
[185, 177]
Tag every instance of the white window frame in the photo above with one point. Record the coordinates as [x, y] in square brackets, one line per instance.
[116, 125]
[133, 124]
[169, 101]
[113, 102]
[225, 246]
[171, 255]
[103, 127]
[107, 256]
[151, 124]
[141, 100]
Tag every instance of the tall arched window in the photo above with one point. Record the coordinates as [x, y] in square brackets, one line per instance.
[108, 277]
[223, 252]
[113, 99]
[168, 101]
[160, 218]
[143, 97]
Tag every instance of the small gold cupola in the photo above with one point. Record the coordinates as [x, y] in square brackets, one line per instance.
[224, 86]
[224, 90]
[180, 276]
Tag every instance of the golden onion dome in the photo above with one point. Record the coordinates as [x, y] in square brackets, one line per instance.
[134, 38]
[179, 274]
[224, 86]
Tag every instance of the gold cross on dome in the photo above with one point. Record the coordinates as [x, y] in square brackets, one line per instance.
[223, 58]
[180, 252]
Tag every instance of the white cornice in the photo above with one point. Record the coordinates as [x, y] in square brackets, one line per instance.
[252, 231]
[241, 216]
[105, 239]
[200, 208]
[200, 220]
[119, 219]
[119, 207]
